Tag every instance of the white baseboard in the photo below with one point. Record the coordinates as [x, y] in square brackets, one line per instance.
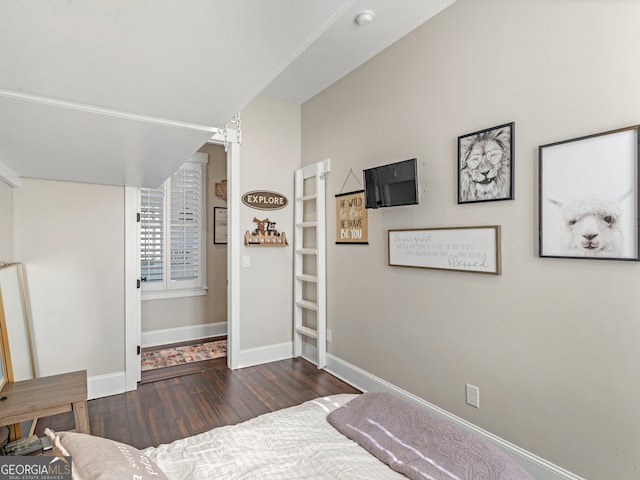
[111, 384]
[183, 334]
[538, 467]
[104, 385]
[260, 355]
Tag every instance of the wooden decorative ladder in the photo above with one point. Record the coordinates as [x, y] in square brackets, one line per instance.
[310, 284]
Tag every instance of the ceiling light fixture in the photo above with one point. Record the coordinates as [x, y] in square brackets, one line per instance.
[365, 17]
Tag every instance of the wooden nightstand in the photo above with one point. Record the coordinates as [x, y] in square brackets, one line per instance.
[46, 396]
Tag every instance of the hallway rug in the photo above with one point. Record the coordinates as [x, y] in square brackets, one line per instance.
[170, 357]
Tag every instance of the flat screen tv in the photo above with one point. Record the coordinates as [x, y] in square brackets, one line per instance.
[391, 185]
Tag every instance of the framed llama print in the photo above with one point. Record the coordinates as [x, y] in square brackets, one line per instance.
[588, 197]
[485, 165]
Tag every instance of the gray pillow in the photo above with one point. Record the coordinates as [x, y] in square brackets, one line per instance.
[96, 458]
[421, 444]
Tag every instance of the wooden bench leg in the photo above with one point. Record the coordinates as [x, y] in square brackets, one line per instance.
[81, 416]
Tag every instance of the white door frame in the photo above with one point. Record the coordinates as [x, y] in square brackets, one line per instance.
[132, 266]
[132, 295]
[233, 251]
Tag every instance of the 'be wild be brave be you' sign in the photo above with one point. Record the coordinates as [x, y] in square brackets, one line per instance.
[351, 218]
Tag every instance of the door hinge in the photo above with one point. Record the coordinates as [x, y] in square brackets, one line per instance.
[138, 217]
[138, 283]
[139, 350]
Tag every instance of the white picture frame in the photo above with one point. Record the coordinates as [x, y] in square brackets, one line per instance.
[464, 249]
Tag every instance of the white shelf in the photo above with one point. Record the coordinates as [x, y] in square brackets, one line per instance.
[307, 251]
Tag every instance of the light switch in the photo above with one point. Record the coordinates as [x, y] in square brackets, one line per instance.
[246, 261]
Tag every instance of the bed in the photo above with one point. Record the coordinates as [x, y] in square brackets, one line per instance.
[368, 436]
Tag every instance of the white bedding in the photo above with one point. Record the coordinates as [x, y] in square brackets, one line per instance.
[294, 443]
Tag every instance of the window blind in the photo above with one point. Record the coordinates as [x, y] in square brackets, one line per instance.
[184, 220]
[172, 256]
[152, 234]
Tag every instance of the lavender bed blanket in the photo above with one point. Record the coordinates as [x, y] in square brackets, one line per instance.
[420, 444]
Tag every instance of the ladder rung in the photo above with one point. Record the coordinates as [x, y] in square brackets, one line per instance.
[313, 196]
[307, 224]
[307, 278]
[307, 251]
[307, 304]
[307, 332]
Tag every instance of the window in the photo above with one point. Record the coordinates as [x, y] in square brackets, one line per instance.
[172, 259]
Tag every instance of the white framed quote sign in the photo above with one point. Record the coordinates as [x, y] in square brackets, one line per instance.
[466, 249]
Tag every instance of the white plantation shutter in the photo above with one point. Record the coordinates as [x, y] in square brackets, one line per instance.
[152, 234]
[185, 224]
[172, 235]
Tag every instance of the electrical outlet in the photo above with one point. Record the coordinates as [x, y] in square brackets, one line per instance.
[328, 336]
[473, 395]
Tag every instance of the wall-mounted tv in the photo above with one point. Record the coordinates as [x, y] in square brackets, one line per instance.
[391, 185]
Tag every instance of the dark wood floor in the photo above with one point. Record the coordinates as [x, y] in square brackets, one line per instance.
[178, 370]
[164, 410]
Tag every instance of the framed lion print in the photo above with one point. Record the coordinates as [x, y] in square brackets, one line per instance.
[485, 165]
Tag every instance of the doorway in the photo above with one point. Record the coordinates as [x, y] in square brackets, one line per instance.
[133, 303]
[184, 358]
[193, 203]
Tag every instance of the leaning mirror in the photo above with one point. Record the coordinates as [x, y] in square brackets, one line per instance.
[18, 352]
[3, 339]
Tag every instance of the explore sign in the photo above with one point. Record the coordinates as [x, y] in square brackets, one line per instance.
[264, 200]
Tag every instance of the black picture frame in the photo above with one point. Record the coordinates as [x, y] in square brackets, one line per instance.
[588, 197]
[219, 225]
[486, 165]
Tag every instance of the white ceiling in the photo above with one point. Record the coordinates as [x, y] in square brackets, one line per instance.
[345, 45]
[121, 92]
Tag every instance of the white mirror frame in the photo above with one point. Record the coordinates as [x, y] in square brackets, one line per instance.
[18, 347]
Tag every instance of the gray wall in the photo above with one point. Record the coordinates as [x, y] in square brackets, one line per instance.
[70, 239]
[269, 154]
[6, 223]
[552, 343]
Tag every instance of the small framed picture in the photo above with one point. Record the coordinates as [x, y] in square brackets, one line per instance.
[485, 165]
[588, 196]
[219, 225]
